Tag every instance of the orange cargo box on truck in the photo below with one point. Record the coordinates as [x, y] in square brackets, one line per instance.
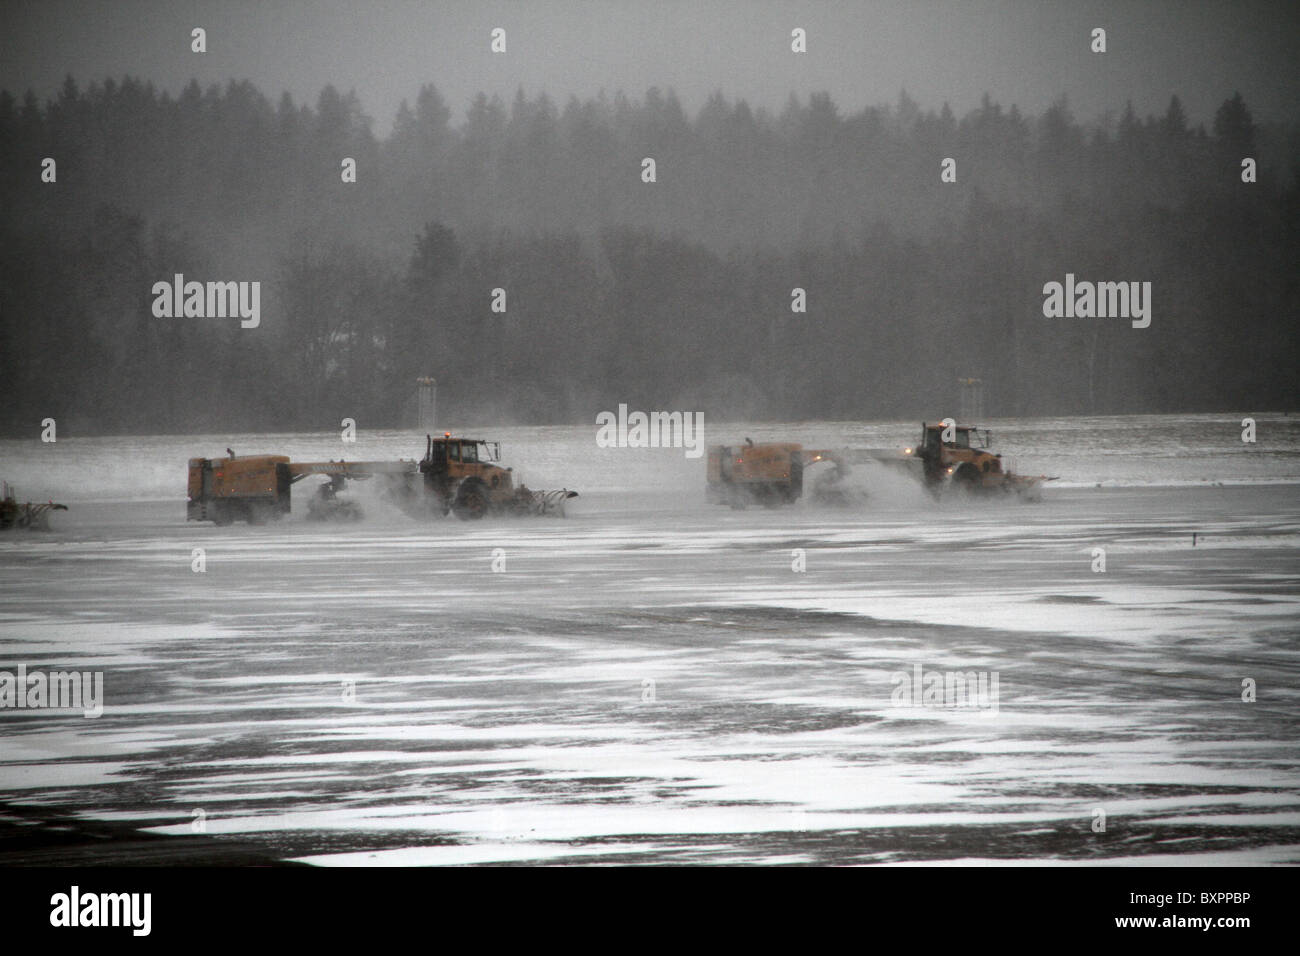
[254, 488]
[770, 473]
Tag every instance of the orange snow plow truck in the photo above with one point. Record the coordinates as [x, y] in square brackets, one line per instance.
[958, 457]
[256, 488]
[769, 473]
[457, 475]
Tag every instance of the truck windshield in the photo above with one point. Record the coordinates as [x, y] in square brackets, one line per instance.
[960, 438]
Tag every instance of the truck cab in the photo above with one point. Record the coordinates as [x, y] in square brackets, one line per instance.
[965, 459]
[463, 474]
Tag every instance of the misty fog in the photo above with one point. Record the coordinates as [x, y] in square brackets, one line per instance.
[675, 293]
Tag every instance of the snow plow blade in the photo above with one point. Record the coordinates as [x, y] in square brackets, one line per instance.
[547, 502]
[33, 516]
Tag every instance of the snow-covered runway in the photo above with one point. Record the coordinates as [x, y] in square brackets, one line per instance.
[653, 681]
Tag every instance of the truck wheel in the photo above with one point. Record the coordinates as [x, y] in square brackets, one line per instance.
[471, 500]
[221, 515]
[967, 477]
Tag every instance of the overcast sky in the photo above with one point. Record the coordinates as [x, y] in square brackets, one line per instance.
[1026, 52]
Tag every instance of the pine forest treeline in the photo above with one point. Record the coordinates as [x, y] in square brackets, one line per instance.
[674, 294]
